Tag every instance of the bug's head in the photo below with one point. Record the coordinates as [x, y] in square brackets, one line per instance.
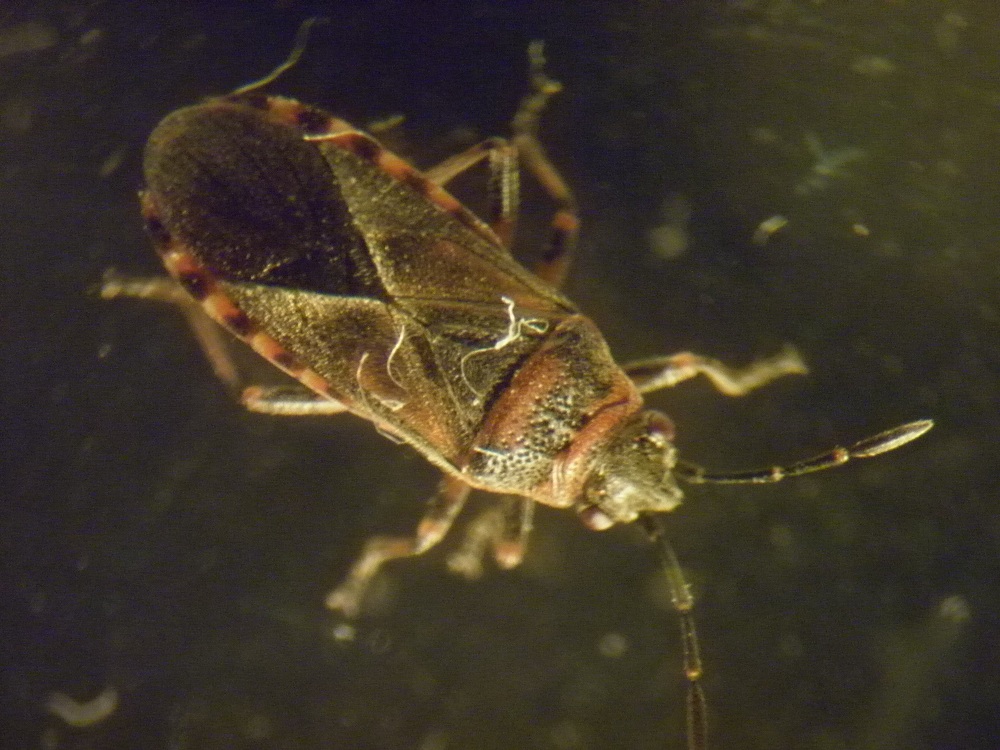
[633, 474]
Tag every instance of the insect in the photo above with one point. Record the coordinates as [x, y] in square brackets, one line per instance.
[383, 296]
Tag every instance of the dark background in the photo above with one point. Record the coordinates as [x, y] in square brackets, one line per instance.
[156, 539]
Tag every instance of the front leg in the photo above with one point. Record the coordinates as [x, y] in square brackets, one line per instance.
[650, 375]
[440, 514]
[503, 528]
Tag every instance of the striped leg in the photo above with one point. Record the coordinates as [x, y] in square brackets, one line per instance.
[504, 181]
[556, 260]
[505, 175]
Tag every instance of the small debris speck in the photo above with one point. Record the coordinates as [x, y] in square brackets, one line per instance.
[670, 239]
[613, 645]
[768, 227]
[26, 37]
[83, 713]
[344, 633]
[954, 609]
[873, 66]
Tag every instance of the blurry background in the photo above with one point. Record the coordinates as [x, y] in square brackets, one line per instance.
[750, 173]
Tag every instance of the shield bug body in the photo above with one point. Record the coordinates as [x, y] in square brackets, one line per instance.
[365, 280]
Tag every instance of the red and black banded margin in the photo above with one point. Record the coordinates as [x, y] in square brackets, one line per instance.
[318, 125]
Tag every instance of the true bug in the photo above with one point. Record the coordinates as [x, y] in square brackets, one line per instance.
[365, 280]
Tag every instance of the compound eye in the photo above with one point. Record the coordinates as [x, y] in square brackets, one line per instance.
[660, 430]
[595, 519]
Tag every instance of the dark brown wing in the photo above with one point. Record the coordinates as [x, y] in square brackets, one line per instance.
[414, 319]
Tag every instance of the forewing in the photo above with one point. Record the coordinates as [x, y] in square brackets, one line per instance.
[426, 254]
[254, 203]
[410, 315]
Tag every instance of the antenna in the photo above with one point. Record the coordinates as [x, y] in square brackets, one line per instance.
[680, 590]
[298, 47]
[868, 447]
[683, 602]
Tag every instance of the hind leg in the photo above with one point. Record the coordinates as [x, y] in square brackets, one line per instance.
[558, 255]
[504, 159]
[290, 400]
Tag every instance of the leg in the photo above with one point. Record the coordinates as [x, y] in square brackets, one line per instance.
[289, 401]
[453, 166]
[504, 182]
[209, 335]
[510, 545]
[555, 262]
[504, 188]
[441, 512]
[214, 341]
[504, 528]
[663, 372]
